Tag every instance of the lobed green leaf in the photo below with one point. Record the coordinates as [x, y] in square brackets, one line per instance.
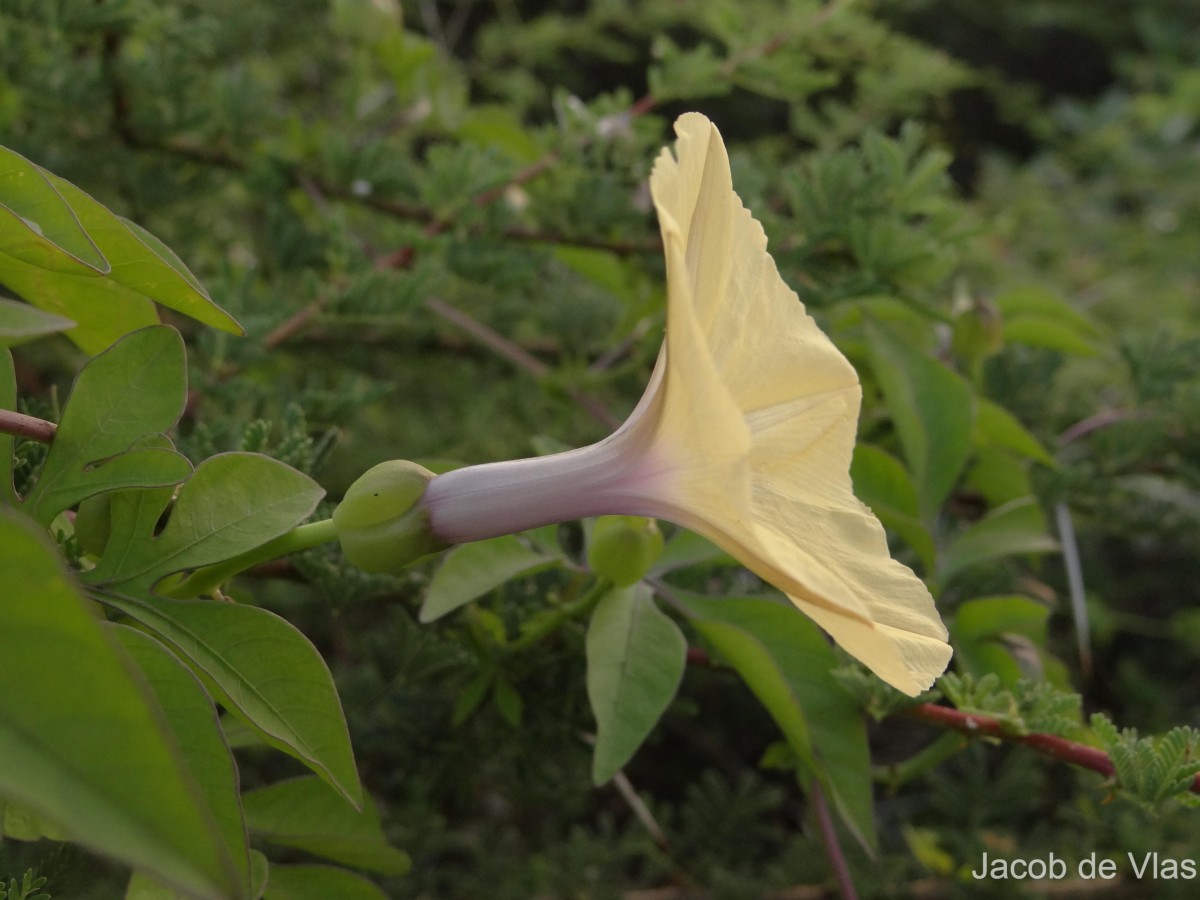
[135, 388]
[233, 503]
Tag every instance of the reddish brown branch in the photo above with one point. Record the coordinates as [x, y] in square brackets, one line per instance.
[829, 838]
[516, 355]
[974, 725]
[1102, 419]
[25, 426]
[292, 325]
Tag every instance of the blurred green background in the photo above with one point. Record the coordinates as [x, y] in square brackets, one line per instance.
[397, 200]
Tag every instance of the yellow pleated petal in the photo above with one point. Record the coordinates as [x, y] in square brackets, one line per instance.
[759, 410]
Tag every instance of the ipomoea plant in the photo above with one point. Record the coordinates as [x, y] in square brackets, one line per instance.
[744, 435]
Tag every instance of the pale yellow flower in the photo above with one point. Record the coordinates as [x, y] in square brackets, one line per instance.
[744, 435]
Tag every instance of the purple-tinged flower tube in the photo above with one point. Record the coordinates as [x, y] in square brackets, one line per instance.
[744, 435]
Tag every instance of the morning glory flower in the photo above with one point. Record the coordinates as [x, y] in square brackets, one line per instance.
[744, 435]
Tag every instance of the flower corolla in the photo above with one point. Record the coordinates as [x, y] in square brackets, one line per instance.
[744, 435]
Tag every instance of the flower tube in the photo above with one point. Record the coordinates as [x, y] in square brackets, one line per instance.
[744, 435]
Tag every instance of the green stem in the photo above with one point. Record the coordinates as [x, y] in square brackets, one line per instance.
[206, 580]
[542, 628]
[927, 759]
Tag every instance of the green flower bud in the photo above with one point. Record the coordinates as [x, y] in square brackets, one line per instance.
[382, 524]
[623, 548]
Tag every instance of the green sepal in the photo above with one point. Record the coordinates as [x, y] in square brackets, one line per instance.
[382, 525]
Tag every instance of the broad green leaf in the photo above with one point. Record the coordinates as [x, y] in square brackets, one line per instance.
[145, 887]
[21, 322]
[319, 883]
[102, 310]
[112, 523]
[168, 256]
[882, 482]
[933, 412]
[193, 720]
[8, 400]
[473, 694]
[471, 570]
[1040, 318]
[1016, 527]
[606, 270]
[83, 745]
[497, 126]
[987, 630]
[985, 617]
[37, 226]
[141, 264]
[1032, 300]
[259, 665]
[233, 502]
[787, 663]
[1041, 332]
[239, 733]
[138, 271]
[304, 813]
[635, 661]
[507, 701]
[998, 475]
[996, 425]
[135, 388]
